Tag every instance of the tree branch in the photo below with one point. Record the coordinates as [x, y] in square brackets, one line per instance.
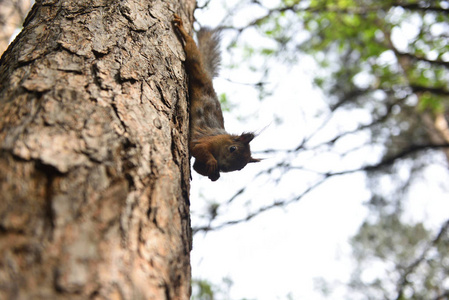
[281, 203]
[443, 296]
[415, 57]
[277, 203]
[408, 270]
[419, 7]
[434, 90]
[405, 152]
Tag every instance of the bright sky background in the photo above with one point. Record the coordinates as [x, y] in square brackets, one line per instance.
[282, 252]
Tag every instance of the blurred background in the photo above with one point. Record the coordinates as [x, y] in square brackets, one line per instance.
[350, 100]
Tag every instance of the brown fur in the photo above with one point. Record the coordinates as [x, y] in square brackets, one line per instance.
[214, 149]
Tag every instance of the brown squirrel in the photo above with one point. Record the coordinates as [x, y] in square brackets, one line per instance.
[214, 149]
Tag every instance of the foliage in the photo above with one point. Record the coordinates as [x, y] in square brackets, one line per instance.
[390, 251]
[202, 290]
[205, 290]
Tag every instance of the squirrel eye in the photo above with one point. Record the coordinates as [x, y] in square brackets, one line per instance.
[232, 149]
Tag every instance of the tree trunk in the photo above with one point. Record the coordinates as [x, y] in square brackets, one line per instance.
[12, 13]
[438, 129]
[94, 165]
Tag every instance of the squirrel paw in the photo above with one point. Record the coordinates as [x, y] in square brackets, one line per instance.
[177, 21]
[214, 177]
[212, 170]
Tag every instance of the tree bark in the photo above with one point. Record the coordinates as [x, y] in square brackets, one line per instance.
[94, 165]
[438, 129]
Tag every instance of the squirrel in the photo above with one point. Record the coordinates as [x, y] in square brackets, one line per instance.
[214, 149]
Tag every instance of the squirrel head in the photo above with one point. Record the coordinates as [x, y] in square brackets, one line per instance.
[235, 153]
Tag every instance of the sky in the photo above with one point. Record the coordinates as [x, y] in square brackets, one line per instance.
[281, 253]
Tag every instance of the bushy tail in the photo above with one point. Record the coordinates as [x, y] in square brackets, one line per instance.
[209, 46]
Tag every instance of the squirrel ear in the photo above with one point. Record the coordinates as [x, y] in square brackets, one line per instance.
[246, 137]
[253, 160]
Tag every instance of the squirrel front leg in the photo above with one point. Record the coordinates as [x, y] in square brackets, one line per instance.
[205, 163]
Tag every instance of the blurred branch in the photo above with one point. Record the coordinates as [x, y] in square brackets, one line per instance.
[12, 13]
[434, 90]
[389, 160]
[277, 203]
[403, 282]
[356, 10]
[382, 118]
[281, 203]
[443, 296]
[421, 6]
[205, 4]
[415, 57]
[405, 152]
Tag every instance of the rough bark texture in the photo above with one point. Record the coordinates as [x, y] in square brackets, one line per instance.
[12, 13]
[94, 166]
